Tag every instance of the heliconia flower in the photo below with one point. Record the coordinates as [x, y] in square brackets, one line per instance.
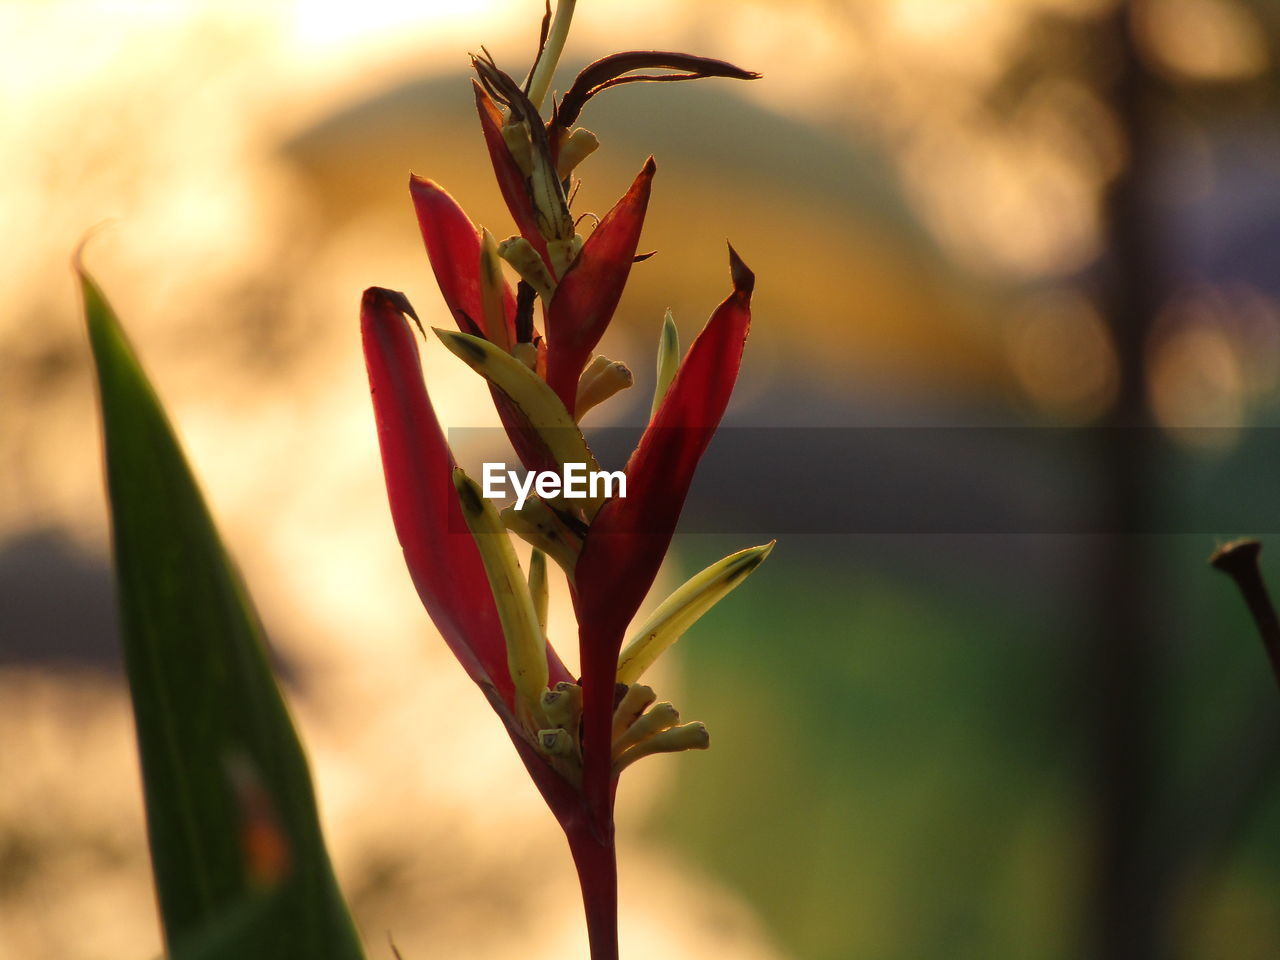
[574, 736]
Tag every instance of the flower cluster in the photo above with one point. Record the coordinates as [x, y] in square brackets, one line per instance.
[575, 735]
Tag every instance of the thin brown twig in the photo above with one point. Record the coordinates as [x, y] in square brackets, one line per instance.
[1239, 561]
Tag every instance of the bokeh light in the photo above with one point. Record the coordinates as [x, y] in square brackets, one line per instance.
[922, 187]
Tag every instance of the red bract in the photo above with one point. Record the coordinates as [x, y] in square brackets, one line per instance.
[588, 295]
[418, 465]
[573, 737]
[453, 247]
[629, 536]
[511, 181]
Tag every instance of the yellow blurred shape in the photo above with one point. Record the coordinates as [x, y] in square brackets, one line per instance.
[1204, 39]
[1194, 377]
[324, 23]
[1062, 356]
[1255, 319]
[1029, 202]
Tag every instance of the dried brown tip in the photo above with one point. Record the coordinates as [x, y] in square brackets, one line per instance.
[613, 70]
[744, 281]
[1236, 556]
[500, 86]
[466, 324]
[525, 296]
[375, 297]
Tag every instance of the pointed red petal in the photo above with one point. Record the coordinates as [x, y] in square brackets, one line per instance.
[511, 180]
[629, 536]
[453, 246]
[441, 555]
[585, 300]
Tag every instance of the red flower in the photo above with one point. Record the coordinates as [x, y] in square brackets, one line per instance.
[574, 737]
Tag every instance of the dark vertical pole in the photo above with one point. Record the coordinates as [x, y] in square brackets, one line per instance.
[1126, 912]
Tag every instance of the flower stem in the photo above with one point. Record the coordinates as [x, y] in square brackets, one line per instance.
[546, 66]
[597, 866]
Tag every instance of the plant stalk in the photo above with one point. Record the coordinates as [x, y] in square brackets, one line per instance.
[1126, 654]
[540, 83]
[597, 866]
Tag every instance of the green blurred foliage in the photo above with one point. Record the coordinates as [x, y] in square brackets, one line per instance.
[898, 764]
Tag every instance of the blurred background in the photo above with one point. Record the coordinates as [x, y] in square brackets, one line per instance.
[1008, 738]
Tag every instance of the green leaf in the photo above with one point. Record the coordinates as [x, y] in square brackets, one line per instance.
[237, 932]
[230, 811]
